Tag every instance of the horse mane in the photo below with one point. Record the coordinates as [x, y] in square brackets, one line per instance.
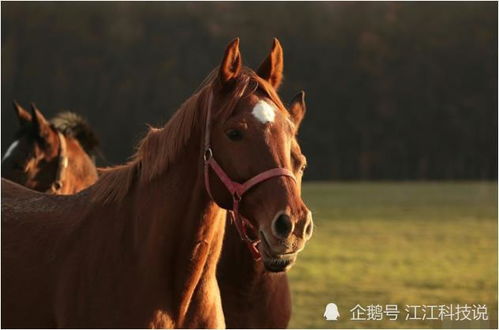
[72, 125]
[148, 162]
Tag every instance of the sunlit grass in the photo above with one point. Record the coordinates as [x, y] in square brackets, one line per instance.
[397, 243]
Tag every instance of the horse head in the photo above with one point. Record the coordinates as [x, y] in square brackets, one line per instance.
[44, 159]
[255, 164]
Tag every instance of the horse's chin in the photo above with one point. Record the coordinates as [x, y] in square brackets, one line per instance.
[275, 263]
[280, 264]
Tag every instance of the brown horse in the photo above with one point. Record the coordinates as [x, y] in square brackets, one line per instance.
[139, 248]
[252, 297]
[51, 156]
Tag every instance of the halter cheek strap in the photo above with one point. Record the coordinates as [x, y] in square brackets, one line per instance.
[237, 190]
[61, 165]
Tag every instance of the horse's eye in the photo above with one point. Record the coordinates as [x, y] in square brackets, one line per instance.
[234, 134]
[303, 167]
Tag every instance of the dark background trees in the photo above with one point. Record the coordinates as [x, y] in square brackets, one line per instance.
[398, 91]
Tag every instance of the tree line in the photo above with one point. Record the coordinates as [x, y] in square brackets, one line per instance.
[394, 91]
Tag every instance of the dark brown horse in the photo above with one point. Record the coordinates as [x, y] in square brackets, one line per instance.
[139, 248]
[253, 297]
[51, 156]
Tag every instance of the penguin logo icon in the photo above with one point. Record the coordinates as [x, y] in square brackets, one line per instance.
[331, 313]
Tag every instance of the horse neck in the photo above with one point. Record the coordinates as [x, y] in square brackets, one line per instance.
[249, 273]
[198, 226]
[248, 290]
[174, 227]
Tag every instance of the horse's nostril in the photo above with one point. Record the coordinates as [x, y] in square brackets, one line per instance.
[283, 226]
[308, 229]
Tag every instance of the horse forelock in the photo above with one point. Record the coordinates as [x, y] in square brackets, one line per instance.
[245, 84]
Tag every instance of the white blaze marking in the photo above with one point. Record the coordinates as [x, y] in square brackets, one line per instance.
[10, 149]
[264, 112]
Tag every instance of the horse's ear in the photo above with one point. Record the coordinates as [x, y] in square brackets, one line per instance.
[272, 67]
[297, 108]
[41, 126]
[23, 115]
[231, 63]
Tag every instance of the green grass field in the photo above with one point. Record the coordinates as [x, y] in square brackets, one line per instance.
[397, 243]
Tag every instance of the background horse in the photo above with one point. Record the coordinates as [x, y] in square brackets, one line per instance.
[252, 297]
[139, 248]
[51, 156]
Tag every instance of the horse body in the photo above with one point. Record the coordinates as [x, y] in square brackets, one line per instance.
[28, 276]
[106, 265]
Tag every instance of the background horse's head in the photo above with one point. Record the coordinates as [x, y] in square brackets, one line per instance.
[46, 157]
[253, 132]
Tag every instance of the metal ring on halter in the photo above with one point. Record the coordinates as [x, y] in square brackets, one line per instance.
[57, 185]
[208, 154]
[236, 196]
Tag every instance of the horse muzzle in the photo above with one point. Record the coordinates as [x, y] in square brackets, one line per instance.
[273, 260]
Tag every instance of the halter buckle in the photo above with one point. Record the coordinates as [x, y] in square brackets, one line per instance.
[208, 154]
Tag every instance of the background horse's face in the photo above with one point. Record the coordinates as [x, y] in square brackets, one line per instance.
[32, 159]
[260, 134]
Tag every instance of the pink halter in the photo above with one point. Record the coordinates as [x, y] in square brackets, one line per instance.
[237, 190]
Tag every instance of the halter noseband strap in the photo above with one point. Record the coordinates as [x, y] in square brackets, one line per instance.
[237, 190]
[61, 165]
